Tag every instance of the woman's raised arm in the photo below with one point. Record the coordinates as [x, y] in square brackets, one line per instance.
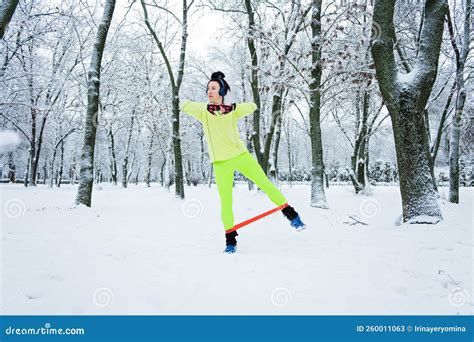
[195, 109]
[244, 109]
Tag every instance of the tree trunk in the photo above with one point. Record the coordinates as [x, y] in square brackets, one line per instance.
[437, 142]
[51, 169]
[175, 87]
[33, 140]
[178, 157]
[363, 148]
[113, 159]
[72, 171]
[61, 165]
[255, 81]
[150, 158]
[38, 150]
[127, 149]
[405, 96]
[7, 9]
[248, 127]
[318, 195]
[84, 192]
[11, 168]
[45, 168]
[27, 172]
[288, 151]
[457, 122]
[137, 174]
[276, 144]
[167, 169]
[358, 154]
[162, 173]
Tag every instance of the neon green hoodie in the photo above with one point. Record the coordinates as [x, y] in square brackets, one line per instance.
[221, 131]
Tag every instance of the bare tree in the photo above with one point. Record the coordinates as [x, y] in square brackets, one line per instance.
[84, 192]
[175, 86]
[125, 167]
[318, 196]
[456, 125]
[296, 20]
[255, 80]
[405, 96]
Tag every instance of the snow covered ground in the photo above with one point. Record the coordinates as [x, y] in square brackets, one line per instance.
[142, 251]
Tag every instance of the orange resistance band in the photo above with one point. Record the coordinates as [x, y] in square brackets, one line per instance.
[258, 217]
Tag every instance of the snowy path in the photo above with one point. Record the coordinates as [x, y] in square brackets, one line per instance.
[141, 251]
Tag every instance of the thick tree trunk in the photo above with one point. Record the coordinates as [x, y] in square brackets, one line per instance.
[405, 96]
[318, 195]
[419, 197]
[84, 192]
[7, 9]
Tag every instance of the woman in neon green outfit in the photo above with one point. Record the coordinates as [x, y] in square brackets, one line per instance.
[228, 153]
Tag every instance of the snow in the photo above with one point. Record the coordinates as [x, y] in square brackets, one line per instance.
[142, 251]
[408, 77]
[9, 141]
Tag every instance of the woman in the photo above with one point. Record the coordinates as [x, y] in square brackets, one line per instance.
[228, 153]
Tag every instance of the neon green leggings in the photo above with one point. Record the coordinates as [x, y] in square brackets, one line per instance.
[250, 168]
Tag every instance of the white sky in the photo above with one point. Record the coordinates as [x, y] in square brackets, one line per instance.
[202, 25]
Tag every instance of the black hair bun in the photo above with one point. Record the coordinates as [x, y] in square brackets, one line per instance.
[218, 75]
